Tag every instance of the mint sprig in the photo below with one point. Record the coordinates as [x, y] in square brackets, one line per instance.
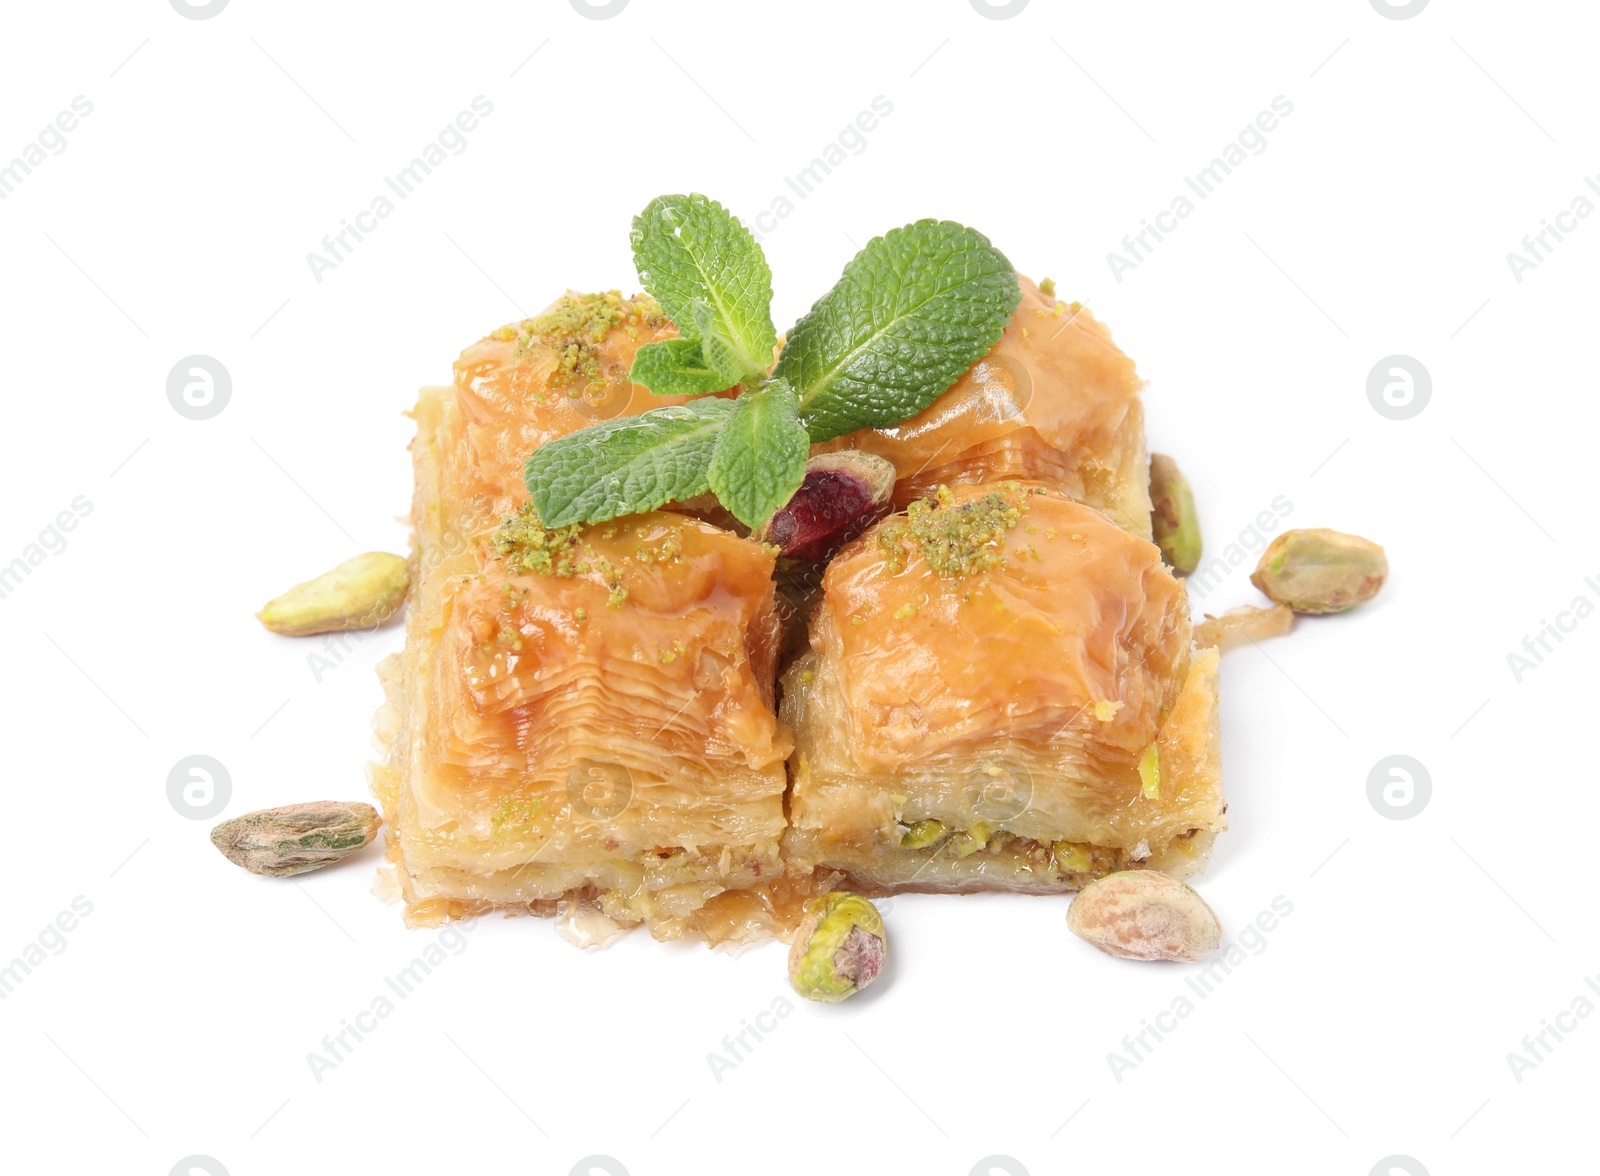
[627, 465]
[711, 279]
[675, 367]
[912, 311]
[760, 457]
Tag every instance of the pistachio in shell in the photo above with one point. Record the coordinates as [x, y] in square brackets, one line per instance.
[295, 838]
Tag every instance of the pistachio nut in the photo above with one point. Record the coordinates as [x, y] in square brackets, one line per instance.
[970, 841]
[295, 838]
[922, 834]
[838, 949]
[1173, 518]
[1315, 570]
[1144, 915]
[842, 495]
[360, 593]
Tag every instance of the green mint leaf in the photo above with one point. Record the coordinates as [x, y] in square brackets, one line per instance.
[676, 367]
[690, 249]
[720, 352]
[627, 465]
[760, 458]
[912, 311]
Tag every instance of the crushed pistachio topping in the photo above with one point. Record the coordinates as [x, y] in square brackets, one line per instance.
[668, 550]
[1048, 287]
[953, 540]
[579, 323]
[527, 545]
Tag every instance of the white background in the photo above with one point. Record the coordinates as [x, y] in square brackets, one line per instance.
[177, 1018]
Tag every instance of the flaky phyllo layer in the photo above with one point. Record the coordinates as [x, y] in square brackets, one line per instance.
[610, 729]
[1055, 401]
[964, 731]
[589, 719]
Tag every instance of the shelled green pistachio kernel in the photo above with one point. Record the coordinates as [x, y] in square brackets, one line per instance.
[360, 593]
[922, 834]
[839, 948]
[1315, 570]
[295, 838]
[1173, 518]
[1144, 915]
[970, 841]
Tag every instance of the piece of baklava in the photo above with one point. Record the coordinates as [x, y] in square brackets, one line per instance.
[1054, 401]
[1001, 693]
[582, 715]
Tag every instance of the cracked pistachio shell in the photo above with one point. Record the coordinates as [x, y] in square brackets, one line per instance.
[295, 838]
[839, 948]
[1144, 915]
[1173, 518]
[360, 593]
[1315, 570]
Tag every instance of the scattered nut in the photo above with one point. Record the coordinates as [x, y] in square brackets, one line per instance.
[970, 841]
[1321, 571]
[297, 837]
[923, 834]
[838, 949]
[842, 495]
[360, 593]
[1246, 622]
[1172, 514]
[1144, 915]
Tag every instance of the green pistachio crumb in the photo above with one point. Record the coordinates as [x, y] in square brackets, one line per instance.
[528, 546]
[953, 540]
[578, 323]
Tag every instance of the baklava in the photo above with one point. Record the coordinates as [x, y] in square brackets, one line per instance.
[1001, 692]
